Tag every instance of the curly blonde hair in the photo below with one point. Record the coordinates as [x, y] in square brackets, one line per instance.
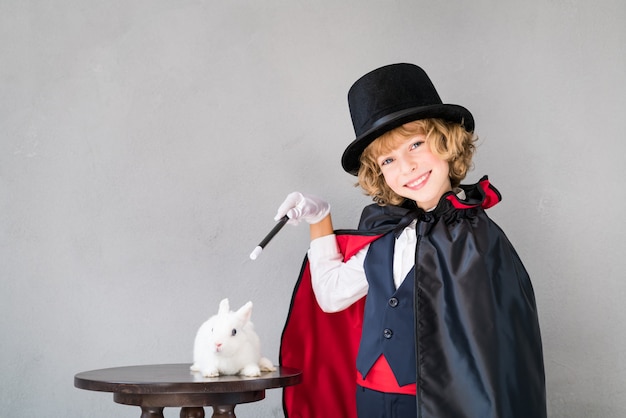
[449, 141]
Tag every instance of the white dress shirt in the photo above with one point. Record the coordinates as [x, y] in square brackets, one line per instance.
[338, 285]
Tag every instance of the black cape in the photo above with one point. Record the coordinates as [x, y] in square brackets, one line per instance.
[478, 344]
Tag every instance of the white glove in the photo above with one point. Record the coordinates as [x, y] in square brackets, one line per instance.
[303, 207]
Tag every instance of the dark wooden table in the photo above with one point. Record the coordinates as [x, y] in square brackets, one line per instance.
[155, 387]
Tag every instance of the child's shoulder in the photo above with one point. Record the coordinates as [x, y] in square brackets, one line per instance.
[381, 219]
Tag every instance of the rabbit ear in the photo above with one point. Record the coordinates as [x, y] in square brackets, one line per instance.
[245, 312]
[224, 307]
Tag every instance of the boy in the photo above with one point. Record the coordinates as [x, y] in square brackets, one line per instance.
[445, 311]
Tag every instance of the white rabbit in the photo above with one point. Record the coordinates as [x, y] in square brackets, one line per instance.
[226, 344]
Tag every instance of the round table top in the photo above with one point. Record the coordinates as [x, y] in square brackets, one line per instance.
[177, 378]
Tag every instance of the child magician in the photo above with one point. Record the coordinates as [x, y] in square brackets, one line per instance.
[425, 310]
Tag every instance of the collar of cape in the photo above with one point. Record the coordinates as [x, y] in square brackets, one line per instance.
[377, 219]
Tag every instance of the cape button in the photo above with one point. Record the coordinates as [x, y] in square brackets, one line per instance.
[387, 333]
[393, 302]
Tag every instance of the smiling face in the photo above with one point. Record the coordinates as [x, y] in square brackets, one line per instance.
[420, 161]
[413, 171]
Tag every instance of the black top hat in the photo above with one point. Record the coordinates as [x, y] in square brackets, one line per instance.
[389, 97]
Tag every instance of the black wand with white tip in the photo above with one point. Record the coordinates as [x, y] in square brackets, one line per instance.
[281, 222]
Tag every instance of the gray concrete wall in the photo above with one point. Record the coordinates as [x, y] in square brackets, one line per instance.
[145, 146]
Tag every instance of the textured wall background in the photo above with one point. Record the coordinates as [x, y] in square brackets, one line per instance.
[145, 146]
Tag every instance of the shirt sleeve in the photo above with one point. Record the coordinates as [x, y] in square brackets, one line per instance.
[336, 284]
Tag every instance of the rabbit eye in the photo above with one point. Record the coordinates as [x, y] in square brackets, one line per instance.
[233, 332]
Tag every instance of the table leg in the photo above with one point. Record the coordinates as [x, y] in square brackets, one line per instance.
[151, 412]
[189, 412]
[223, 411]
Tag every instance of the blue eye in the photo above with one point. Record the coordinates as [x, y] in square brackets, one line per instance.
[386, 161]
[416, 144]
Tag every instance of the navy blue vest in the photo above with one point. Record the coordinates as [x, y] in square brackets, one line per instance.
[388, 319]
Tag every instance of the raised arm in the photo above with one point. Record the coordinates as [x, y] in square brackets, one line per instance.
[336, 284]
